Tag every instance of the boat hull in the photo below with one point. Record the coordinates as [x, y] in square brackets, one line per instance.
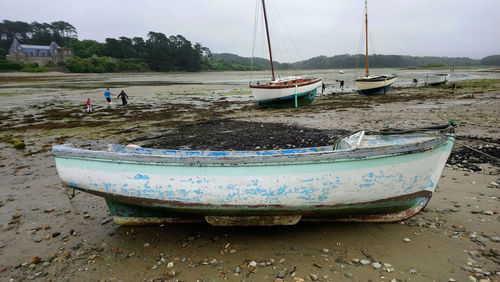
[374, 85]
[312, 184]
[436, 79]
[276, 96]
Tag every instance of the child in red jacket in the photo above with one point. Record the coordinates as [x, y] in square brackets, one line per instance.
[89, 106]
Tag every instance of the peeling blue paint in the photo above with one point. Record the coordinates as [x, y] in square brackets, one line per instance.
[140, 176]
[106, 186]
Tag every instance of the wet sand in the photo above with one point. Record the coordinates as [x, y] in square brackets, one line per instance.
[47, 234]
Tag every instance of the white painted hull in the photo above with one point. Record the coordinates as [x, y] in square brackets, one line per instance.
[364, 174]
[265, 94]
[366, 85]
[292, 185]
[436, 79]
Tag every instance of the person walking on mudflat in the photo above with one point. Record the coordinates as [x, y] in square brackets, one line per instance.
[124, 97]
[107, 94]
[89, 106]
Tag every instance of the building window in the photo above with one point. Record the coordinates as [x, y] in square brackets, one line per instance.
[31, 53]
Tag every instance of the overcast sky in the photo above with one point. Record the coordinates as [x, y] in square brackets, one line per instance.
[300, 29]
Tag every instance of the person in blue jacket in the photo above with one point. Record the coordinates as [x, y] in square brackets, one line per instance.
[107, 94]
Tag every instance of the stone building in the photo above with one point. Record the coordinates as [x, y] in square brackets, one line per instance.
[43, 55]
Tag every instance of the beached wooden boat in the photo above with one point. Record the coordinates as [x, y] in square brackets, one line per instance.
[372, 84]
[436, 79]
[366, 178]
[289, 92]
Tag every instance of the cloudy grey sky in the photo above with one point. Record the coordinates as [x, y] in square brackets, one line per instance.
[300, 29]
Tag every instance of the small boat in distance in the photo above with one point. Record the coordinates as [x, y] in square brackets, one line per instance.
[372, 84]
[363, 177]
[436, 79]
[284, 92]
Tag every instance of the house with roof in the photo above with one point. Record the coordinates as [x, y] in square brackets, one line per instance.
[41, 54]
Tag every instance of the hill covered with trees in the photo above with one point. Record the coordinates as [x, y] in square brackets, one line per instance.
[158, 52]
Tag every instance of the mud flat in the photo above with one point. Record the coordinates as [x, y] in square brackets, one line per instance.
[46, 233]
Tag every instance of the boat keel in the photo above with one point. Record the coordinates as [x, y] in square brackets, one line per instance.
[252, 220]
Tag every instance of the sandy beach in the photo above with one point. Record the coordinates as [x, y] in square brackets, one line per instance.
[47, 233]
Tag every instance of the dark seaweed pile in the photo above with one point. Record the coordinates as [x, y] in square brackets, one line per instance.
[240, 135]
[228, 134]
[468, 158]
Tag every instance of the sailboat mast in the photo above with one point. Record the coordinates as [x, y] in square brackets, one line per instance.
[366, 34]
[268, 39]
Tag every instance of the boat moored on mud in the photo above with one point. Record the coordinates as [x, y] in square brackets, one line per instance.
[436, 79]
[362, 177]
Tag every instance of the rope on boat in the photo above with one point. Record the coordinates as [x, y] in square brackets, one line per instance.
[430, 129]
[475, 150]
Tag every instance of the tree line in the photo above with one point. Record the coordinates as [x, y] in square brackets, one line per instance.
[382, 61]
[159, 52]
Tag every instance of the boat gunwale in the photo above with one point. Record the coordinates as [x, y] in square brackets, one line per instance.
[267, 157]
[377, 78]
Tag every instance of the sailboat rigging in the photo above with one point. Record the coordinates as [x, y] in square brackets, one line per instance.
[291, 91]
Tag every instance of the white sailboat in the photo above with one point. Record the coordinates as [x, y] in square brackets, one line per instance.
[291, 91]
[372, 84]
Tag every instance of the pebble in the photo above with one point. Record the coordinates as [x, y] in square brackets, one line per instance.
[171, 273]
[495, 252]
[313, 277]
[466, 268]
[325, 250]
[376, 265]
[170, 264]
[46, 226]
[471, 260]
[317, 265]
[146, 245]
[407, 240]
[477, 269]
[252, 264]
[348, 275]
[16, 215]
[451, 280]
[488, 213]
[35, 260]
[364, 262]
[282, 273]
[495, 239]
[482, 239]
[474, 253]
[413, 271]
[237, 269]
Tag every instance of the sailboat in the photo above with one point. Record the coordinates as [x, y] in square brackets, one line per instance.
[372, 84]
[291, 91]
